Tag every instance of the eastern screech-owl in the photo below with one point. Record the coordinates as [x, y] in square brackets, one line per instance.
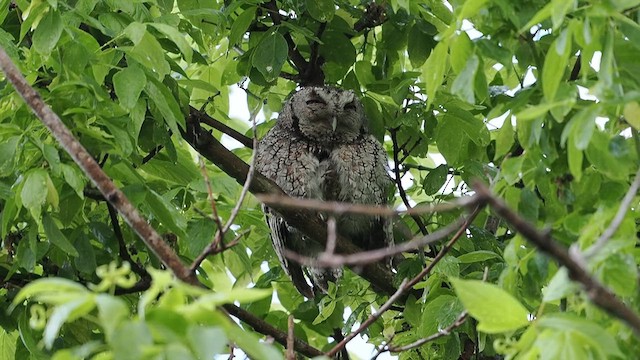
[320, 148]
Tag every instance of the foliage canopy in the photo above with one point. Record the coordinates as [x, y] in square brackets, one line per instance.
[538, 99]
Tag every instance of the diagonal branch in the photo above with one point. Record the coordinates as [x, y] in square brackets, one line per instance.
[92, 169]
[599, 295]
[206, 119]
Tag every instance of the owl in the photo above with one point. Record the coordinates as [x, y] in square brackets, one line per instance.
[320, 148]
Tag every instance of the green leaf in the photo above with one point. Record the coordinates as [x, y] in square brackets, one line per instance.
[631, 114]
[111, 312]
[56, 237]
[480, 299]
[34, 191]
[559, 287]
[620, 273]
[270, 55]
[205, 340]
[452, 142]
[48, 32]
[150, 54]
[477, 256]
[439, 313]
[505, 138]
[160, 95]
[435, 179]
[73, 178]
[176, 37]
[321, 10]
[130, 340]
[419, 45]
[473, 127]
[64, 313]
[8, 149]
[581, 127]
[434, 69]
[46, 288]
[165, 212]
[128, 84]
[604, 160]
[555, 64]
[135, 31]
[563, 322]
[241, 24]
[575, 158]
[463, 84]
[461, 49]
[8, 344]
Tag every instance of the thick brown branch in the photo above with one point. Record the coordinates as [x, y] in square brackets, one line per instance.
[91, 168]
[313, 227]
[599, 295]
[206, 119]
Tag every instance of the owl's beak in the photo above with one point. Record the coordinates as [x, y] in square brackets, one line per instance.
[334, 123]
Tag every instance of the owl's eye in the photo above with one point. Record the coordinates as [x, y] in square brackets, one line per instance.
[316, 101]
[350, 106]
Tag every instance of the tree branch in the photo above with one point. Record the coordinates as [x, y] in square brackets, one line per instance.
[618, 219]
[91, 168]
[206, 119]
[599, 295]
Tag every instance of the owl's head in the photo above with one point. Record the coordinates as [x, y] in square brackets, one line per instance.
[327, 114]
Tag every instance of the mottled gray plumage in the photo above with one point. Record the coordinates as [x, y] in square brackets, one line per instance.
[320, 148]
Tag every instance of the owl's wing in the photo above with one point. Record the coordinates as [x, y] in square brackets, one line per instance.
[361, 177]
[291, 164]
[281, 237]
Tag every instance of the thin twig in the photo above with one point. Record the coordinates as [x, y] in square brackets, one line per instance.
[371, 256]
[599, 295]
[618, 218]
[91, 168]
[331, 237]
[407, 284]
[445, 249]
[247, 182]
[217, 245]
[441, 333]
[214, 208]
[335, 207]
[370, 320]
[290, 354]
[398, 180]
[266, 328]
[122, 246]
